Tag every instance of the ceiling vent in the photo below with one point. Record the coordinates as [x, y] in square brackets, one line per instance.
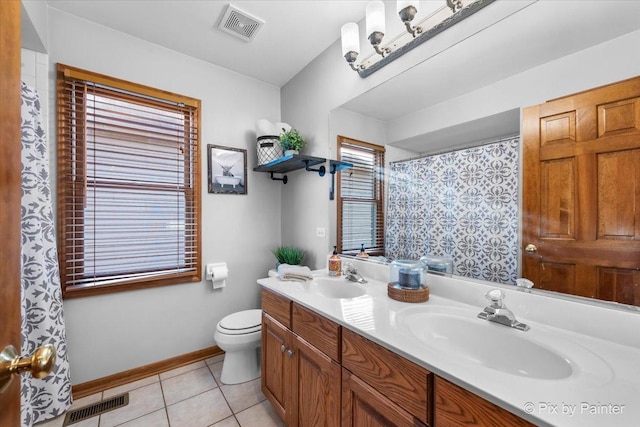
[240, 24]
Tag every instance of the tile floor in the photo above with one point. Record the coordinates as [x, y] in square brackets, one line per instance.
[190, 396]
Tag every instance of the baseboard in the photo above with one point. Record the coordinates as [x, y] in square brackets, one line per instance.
[135, 374]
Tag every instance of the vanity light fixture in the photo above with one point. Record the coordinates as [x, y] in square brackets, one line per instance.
[448, 14]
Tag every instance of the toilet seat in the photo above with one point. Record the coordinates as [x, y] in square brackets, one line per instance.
[241, 323]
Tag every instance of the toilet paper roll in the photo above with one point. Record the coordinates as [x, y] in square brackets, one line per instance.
[218, 274]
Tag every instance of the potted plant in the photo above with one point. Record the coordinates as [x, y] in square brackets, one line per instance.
[291, 141]
[288, 255]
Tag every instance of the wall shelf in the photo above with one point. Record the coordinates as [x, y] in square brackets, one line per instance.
[291, 163]
[294, 162]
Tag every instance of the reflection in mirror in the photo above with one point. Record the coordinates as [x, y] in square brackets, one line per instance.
[460, 204]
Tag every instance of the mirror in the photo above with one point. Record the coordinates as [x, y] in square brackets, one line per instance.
[434, 117]
[471, 197]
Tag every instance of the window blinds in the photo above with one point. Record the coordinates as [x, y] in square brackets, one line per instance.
[128, 184]
[360, 198]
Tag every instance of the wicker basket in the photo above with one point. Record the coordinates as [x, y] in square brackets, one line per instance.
[268, 148]
[407, 295]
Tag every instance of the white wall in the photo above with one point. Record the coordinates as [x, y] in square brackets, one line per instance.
[112, 333]
[34, 25]
[327, 83]
[608, 62]
[35, 73]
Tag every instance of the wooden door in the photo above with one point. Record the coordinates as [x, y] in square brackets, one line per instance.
[581, 193]
[10, 193]
[276, 365]
[363, 406]
[316, 387]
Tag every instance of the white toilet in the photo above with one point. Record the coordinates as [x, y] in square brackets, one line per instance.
[239, 335]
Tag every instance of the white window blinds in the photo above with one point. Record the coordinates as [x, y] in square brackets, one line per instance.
[128, 184]
[361, 197]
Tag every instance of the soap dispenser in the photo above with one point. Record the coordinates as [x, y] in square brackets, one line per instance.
[335, 263]
[362, 253]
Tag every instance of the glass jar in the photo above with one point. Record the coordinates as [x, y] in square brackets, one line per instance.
[437, 264]
[407, 274]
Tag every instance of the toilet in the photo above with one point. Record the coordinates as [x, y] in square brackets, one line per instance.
[239, 335]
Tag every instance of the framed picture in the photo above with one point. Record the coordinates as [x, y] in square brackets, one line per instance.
[227, 170]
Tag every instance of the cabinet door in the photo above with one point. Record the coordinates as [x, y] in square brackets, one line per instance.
[363, 406]
[276, 366]
[456, 406]
[316, 380]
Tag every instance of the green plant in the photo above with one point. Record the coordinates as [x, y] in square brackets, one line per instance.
[291, 140]
[288, 255]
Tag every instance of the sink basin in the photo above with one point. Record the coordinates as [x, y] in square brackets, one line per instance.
[336, 288]
[493, 346]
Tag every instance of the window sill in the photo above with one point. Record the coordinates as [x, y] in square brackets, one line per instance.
[81, 291]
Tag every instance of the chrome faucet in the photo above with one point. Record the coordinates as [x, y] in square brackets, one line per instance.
[351, 274]
[499, 313]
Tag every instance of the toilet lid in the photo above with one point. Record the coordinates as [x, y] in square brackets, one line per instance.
[242, 322]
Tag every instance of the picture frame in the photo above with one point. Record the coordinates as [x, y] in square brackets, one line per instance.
[227, 170]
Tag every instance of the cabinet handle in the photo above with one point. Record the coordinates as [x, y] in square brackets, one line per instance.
[290, 353]
[282, 348]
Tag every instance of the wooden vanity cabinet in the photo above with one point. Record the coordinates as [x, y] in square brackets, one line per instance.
[383, 386]
[316, 373]
[456, 406]
[301, 381]
[363, 405]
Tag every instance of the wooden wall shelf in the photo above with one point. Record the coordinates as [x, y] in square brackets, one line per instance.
[294, 162]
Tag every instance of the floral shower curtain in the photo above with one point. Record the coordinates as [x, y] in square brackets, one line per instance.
[41, 297]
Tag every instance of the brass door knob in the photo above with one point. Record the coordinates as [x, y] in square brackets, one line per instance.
[39, 365]
[531, 249]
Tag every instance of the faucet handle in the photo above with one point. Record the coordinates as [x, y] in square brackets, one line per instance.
[495, 296]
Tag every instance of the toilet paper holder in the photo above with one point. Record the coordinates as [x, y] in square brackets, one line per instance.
[217, 272]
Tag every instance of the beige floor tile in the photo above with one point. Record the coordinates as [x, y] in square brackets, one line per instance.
[58, 421]
[142, 401]
[91, 422]
[187, 385]
[85, 401]
[131, 386]
[154, 419]
[215, 359]
[182, 370]
[260, 415]
[216, 370]
[227, 422]
[54, 422]
[242, 396]
[199, 411]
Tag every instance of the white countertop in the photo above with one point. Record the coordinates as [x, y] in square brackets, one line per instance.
[603, 388]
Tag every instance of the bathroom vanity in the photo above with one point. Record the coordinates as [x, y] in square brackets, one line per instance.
[308, 362]
[348, 355]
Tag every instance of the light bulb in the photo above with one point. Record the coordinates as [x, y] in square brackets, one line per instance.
[350, 38]
[375, 17]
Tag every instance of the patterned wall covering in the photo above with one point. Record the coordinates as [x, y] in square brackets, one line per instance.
[461, 204]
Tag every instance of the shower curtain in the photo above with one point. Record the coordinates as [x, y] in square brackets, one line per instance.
[41, 297]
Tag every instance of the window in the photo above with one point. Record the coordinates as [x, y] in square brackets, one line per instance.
[361, 197]
[128, 185]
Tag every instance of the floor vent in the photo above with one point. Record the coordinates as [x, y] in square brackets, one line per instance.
[97, 408]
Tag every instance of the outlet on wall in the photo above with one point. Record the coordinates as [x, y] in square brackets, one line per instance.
[320, 232]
